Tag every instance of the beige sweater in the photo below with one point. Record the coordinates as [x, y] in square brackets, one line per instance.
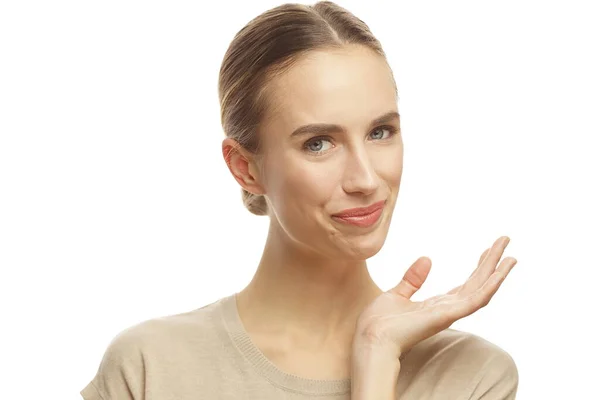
[207, 354]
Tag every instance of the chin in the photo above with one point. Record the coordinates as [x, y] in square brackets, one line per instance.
[361, 247]
[354, 244]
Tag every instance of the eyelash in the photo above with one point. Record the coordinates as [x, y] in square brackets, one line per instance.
[393, 130]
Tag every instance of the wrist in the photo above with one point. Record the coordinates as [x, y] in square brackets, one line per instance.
[374, 374]
[368, 349]
[372, 340]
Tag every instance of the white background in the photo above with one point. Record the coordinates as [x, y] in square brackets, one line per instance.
[116, 205]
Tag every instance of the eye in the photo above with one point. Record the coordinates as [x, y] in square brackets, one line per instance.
[318, 145]
[383, 132]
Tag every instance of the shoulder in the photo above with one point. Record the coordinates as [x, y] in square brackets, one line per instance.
[152, 334]
[461, 345]
[144, 346]
[468, 365]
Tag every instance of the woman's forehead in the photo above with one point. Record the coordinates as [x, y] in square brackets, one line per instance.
[346, 87]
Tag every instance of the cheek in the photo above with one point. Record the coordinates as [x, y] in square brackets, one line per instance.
[389, 167]
[395, 172]
[300, 184]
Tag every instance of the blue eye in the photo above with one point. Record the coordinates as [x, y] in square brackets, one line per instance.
[380, 133]
[321, 144]
[318, 145]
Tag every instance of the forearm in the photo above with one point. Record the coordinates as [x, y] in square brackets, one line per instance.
[374, 376]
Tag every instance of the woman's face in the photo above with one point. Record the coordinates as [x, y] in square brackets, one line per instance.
[331, 143]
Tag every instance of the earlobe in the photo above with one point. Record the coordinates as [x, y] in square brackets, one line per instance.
[241, 164]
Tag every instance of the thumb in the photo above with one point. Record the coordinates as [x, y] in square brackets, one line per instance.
[413, 278]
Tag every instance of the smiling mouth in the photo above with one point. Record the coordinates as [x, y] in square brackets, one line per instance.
[361, 217]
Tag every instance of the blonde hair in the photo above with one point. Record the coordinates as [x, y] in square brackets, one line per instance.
[267, 46]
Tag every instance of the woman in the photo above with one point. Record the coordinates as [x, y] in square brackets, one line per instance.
[309, 107]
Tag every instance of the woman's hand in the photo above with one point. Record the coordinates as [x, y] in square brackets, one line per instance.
[392, 323]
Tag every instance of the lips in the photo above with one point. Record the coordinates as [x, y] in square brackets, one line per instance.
[362, 217]
[361, 211]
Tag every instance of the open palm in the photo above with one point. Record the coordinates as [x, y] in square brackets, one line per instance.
[395, 323]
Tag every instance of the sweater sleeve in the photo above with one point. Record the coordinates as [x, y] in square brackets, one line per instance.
[121, 374]
[497, 380]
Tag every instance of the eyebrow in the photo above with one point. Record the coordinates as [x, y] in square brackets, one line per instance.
[329, 128]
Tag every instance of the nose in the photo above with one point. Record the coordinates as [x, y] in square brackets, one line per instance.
[359, 174]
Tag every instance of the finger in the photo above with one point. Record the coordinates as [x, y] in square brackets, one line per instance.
[487, 266]
[480, 298]
[481, 259]
[413, 278]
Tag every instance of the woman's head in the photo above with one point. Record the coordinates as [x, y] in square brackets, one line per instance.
[309, 107]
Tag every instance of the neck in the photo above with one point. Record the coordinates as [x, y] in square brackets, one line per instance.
[304, 294]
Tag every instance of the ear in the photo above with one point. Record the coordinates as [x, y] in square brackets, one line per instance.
[242, 165]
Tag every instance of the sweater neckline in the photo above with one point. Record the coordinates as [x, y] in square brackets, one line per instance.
[242, 341]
